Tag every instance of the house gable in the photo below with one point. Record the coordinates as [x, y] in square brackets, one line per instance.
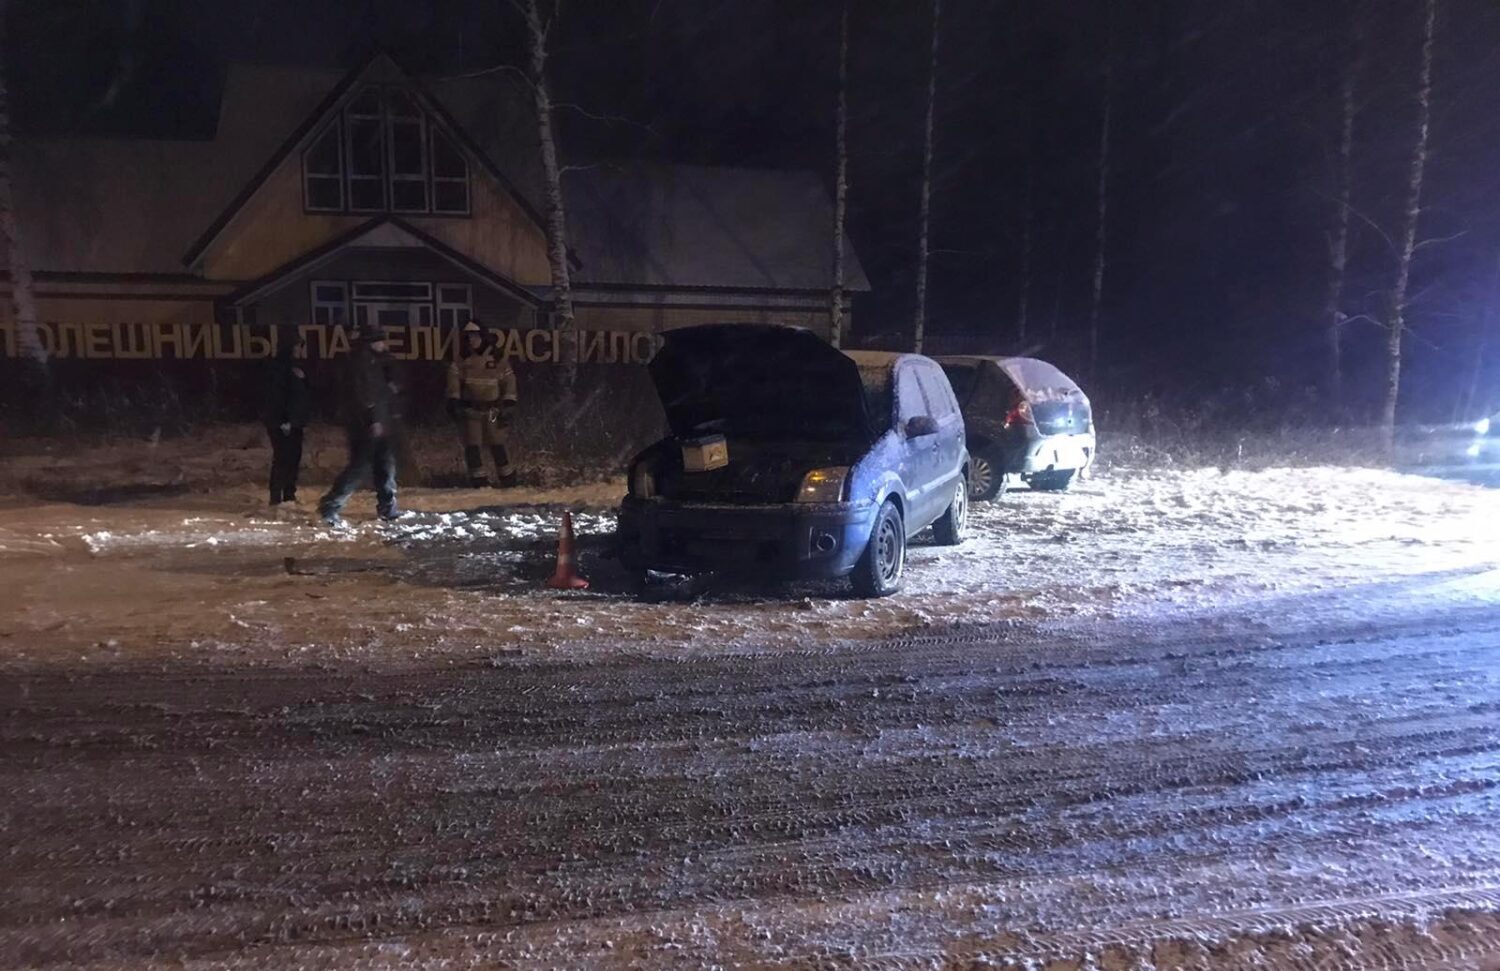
[277, 219]
[383, 232]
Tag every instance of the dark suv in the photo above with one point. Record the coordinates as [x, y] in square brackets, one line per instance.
[1025, 418]
[789, 459]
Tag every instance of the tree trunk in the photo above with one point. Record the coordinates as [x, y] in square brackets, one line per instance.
[1481, 348]
[1023, 301]
[1057, 289]
[557, 223]
[22, 294]
[925, 211]
[840, 187]
[1408, 240]
[1101, 235]
[1338, 239]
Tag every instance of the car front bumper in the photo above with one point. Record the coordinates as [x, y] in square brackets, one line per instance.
[790, 541]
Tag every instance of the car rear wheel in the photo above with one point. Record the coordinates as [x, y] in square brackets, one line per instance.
[878, 572]
[986, 481]
[1057, 480]
[951, 526]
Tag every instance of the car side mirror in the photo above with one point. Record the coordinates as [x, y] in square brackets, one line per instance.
[921, 425]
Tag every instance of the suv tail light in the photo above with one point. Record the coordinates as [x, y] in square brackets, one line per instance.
[1020, 415]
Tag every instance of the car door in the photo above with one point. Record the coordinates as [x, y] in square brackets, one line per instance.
[948, 463]
[919, 458]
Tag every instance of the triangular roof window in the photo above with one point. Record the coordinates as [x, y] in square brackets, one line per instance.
[385, 153]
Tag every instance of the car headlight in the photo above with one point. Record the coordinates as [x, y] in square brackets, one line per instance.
[1482, 426]
[823, 485]
[642, 480]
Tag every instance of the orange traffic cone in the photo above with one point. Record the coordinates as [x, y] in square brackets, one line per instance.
[566, 575]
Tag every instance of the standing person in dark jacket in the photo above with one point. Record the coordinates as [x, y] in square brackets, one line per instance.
[284, 410]
[369, 415]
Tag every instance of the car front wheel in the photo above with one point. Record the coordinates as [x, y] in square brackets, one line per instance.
[878, 572]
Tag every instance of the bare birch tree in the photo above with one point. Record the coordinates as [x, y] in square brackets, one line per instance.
[1408, 241]
[840, 186]
[537, 28]
[1481, 346]
[925, 211]
[1338, 237]
[1101, 233]
[1023, 301]
[22, 293]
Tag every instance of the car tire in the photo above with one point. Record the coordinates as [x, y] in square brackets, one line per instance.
[953, 524]
[1057, 480]
[878, 571]
[986, 480]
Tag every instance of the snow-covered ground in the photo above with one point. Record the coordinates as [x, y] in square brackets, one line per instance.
[202, 573]
[1170, 720]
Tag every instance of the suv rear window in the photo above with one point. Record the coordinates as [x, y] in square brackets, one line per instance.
[962, 377]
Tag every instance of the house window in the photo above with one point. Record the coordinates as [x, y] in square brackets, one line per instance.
[323, 169]
[408, 141]
[385, 154]
[366, 126]
[330, 304]
[394, 291]
[455, 305]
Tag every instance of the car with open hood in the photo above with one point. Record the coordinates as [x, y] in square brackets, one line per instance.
[1025, 419]
[789, 459]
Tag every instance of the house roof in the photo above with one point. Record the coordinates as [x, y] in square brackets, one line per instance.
[135, 205]
[694, 226]
[492, 106]
[122, 206]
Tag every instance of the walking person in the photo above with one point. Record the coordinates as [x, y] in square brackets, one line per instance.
[482, 399]
[369, 416]
[285, 407]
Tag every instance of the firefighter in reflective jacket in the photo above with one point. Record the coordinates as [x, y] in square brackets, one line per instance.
[482, 399]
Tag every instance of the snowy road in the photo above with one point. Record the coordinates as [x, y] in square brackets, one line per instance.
[1173, 801]
[1174, 720]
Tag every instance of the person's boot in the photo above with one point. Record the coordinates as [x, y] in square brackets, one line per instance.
[505, 477]
[477, 476]
[330, 516]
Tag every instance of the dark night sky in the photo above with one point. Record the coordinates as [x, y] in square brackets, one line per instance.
[1225, 124]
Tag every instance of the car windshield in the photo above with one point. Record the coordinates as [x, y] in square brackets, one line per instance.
[1038, 380]
[877, 384]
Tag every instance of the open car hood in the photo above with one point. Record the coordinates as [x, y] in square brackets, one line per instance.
[758, 382]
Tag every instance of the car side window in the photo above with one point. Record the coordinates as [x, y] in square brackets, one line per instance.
[939, 397]
[909, 399]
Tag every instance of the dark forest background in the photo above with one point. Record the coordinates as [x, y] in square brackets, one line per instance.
[1221, 191]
